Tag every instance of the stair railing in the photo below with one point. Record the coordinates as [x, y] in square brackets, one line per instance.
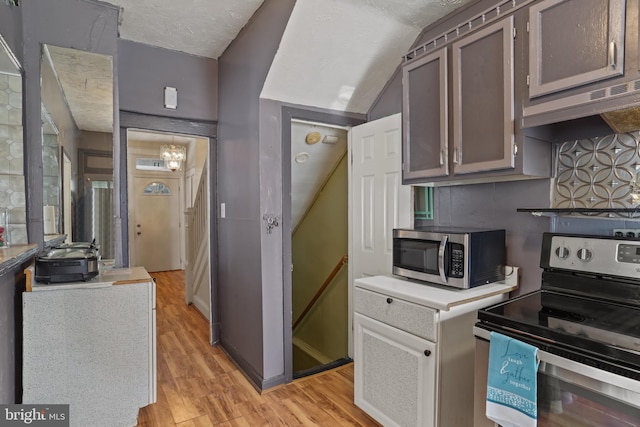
[320, 291]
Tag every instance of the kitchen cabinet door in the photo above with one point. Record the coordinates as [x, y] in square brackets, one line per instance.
[425, 117]
[395, 374]
[483, 111]
[574, 42]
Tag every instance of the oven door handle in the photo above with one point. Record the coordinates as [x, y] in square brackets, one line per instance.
[441, 252]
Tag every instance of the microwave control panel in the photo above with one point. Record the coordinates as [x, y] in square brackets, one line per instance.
[457, 261]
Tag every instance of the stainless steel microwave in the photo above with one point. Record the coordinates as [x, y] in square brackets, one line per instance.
[458, 257]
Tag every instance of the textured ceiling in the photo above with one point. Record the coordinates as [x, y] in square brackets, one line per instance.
[87, 81]
[199, 27]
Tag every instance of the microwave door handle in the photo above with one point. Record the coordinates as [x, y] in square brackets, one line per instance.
[441, 250]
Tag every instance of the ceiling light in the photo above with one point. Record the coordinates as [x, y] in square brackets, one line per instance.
[173, 155]
[312, 138]
[302, 157]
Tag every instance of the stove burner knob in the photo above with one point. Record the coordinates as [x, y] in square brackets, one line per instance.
[585, 254]
[562, 252]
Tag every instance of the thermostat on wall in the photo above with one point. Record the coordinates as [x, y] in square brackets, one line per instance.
[170, 97]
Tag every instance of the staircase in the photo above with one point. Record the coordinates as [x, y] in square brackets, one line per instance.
[197, 273]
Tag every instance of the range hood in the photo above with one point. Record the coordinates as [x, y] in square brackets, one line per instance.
[618, 105]
[623, 121]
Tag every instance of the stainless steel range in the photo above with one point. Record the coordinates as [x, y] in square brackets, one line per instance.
[585, 321]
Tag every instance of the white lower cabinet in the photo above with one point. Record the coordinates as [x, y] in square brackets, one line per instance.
[414, 350]
[92, 345]
[395, 374]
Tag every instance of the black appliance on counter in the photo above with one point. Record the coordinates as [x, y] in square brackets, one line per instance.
[68, 262]
[585, 321]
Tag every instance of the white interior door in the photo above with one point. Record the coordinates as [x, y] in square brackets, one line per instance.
[157, 223]
[379, 202]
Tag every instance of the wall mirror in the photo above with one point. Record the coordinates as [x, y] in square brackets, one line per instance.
[51, 171]
[77, 94]
[12, 191]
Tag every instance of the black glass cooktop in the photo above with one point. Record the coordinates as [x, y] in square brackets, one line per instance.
[584, 327]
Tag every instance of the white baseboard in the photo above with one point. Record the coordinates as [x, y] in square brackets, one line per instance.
[201, 305]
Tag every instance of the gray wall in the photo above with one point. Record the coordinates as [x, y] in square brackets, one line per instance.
[77, 24]
[11, 28]
[85, 25]
[251, 328]
[389, 101]
[145, 70]
[494, 205]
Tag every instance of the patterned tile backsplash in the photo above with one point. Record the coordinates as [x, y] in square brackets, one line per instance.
[12, 191]
[597, 172]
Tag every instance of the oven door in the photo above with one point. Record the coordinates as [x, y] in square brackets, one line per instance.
[574, 394]
[569, 393]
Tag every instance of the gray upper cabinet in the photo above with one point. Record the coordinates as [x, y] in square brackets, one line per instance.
[460, 92]
[425, 117]
[574, 42]
[483, 100]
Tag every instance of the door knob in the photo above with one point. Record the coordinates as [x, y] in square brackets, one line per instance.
[389, 300]
[138, 233]
[427, 353]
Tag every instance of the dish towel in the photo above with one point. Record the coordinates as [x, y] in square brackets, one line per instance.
[512, 382]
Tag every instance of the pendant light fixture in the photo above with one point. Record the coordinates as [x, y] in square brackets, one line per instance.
[173, 156]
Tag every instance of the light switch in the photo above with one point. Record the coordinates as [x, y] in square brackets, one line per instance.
[223, 210]
[170, 97]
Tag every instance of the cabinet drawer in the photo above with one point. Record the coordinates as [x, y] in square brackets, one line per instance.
[409, 317]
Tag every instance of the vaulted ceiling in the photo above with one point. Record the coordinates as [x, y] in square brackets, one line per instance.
[335, 54]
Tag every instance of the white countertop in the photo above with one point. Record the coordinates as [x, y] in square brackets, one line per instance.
[436, 296]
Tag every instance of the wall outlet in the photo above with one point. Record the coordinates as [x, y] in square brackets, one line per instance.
[626, 232]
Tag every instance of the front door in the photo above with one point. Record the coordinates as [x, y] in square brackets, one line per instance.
[157, 223]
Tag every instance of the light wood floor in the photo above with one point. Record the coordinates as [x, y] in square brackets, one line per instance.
[199, 386]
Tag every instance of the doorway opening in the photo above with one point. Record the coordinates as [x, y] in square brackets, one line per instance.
[319, 246]
[168, 216]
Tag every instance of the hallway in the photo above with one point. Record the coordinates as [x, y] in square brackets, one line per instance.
[198, 386]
